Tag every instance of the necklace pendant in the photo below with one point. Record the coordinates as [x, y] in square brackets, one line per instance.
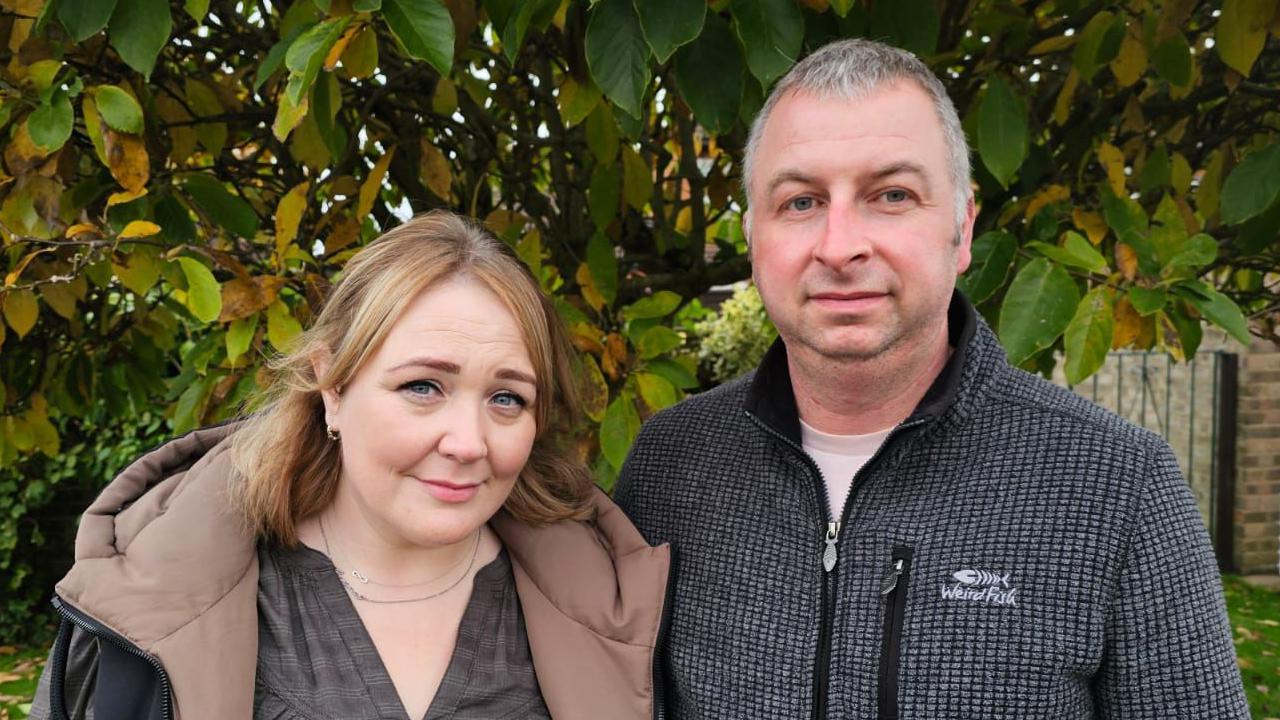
[360, 576]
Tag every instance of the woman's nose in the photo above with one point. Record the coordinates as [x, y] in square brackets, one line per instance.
[463, 437]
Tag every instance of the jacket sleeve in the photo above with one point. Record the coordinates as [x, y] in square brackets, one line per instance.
[1168, 650]
[81, 670]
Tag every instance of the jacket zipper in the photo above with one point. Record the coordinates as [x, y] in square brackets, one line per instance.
[830, 554]
[664, 626]
[97, 629]
[894, 590]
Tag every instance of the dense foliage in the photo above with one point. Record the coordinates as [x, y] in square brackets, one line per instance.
[183, 180]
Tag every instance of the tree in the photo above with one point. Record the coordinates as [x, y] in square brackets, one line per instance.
[183, 180]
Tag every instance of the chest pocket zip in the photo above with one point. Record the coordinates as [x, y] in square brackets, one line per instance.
[894, 590]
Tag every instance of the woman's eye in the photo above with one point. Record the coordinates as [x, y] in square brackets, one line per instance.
[420, 387]
[896, 196]
[801, 204]
[508, 400]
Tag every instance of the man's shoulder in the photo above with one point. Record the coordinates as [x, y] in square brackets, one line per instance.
[706, 411]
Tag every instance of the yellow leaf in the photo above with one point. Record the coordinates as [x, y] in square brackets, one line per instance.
[637, 178]
[615, 355]
[373, 183]
[125, 196]
[139, 229]
[1128, 324]
[1180, 173]
[506, 224]
[340, 47]
[93, 126]
[436, 173]
[684, 220]
[204, 102]
[308, 146]
[12, 277]
[242, 297]
[1047, 196]
[587, 337]
[80, 229]
[60, 297]
[345, 232]
[1133, 121]
[139, 271]
[20, 311]
[1113, 161]
[289, 215]
[182, 134]
[445, 99]
[1131, 62]
[1127, 261]
[128, 159]
[1062, 107]
[588, 286]
[1053, 44]
[360, 58]
[1241, 32]
[595, 391]
[1210, 189]
[21, 152]
[1091, 223]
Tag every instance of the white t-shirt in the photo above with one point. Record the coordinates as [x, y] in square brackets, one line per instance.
[839, 457]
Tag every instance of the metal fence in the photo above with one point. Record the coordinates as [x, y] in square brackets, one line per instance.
[1191, 404]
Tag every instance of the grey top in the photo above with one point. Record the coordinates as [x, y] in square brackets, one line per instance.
[316, 660]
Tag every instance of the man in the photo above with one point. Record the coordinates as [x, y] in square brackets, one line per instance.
[885, 519]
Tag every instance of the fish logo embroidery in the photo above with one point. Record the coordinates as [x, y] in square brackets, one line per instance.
[984, 586]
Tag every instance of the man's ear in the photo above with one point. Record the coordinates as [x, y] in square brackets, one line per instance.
[321, 361]
[964, 237]
[746, 230]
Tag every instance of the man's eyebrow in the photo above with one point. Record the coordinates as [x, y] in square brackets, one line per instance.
[899, 168]
[784, 177]
[453, 368]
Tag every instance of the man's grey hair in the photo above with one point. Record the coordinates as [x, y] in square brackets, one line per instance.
[852, 69]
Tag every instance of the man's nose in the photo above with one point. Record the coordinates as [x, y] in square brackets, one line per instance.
[463, 437]
[844, 236]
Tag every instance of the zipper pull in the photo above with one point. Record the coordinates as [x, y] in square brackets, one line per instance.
[891, 578]
[829, 555]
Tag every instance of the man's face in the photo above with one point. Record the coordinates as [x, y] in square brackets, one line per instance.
[853, 223]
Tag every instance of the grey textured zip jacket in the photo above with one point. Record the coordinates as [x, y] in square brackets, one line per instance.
[1013, 551]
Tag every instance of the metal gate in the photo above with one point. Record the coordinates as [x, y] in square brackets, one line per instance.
[1193, 406]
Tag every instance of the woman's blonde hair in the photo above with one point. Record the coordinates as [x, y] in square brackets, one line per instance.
[290, 468]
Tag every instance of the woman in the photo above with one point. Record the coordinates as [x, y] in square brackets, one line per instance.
[399, 531]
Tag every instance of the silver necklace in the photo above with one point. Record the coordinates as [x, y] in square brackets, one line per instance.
[342, 578]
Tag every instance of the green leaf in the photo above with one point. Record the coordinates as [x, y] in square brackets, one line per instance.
[204, 295]
[603, 264]
[771, 32]
[1076, 252]
[1218, 308]
[190, 406]
[993, 254]
[674, 372]
[659, 304]
[1039, 305]
[425, 29]
[1088, 336]
[656, 391]
[1147, 300]
[275, 56]
[282, 326]
[1199, 250]
[197, 9]
[84, 18]
[306, 55]
[221, 207]
[1252, 186]
[1241, 32]
[604, 195]
[1190, 332]
[618, 54]
[1260, 231]
[118, 108]
[531, 13]
[1123, 214]
[240, 336]
[366, 5]
[619, 428]
[668, 24]
[139, 30]
[50, 124]
[909, 24]
[1155, 171]
[577, 101]
[1172, 59]
[637, 178]
[842, 7]
[602, 134]
[1002, 131]
[656, 341]
[1095, 47]
[710, 75]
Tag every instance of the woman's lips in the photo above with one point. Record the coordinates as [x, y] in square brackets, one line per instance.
[448, 492]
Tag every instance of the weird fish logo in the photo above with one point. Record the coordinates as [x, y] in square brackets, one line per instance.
[984, 586]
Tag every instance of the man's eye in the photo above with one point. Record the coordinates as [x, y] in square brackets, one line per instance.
[896, 196]
[801, 203]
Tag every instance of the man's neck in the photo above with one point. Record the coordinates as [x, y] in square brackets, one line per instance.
[864, 396]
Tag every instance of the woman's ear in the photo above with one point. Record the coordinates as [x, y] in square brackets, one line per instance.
[320, 363]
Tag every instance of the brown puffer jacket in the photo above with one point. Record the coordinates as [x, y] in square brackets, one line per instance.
[163, 562]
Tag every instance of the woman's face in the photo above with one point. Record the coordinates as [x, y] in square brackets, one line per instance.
[439, 422]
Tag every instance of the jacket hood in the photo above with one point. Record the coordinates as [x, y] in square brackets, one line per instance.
[164, 560]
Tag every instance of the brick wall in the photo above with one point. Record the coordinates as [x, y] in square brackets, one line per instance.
[1257, 514]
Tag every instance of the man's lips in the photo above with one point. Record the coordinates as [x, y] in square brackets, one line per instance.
[855, 295]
